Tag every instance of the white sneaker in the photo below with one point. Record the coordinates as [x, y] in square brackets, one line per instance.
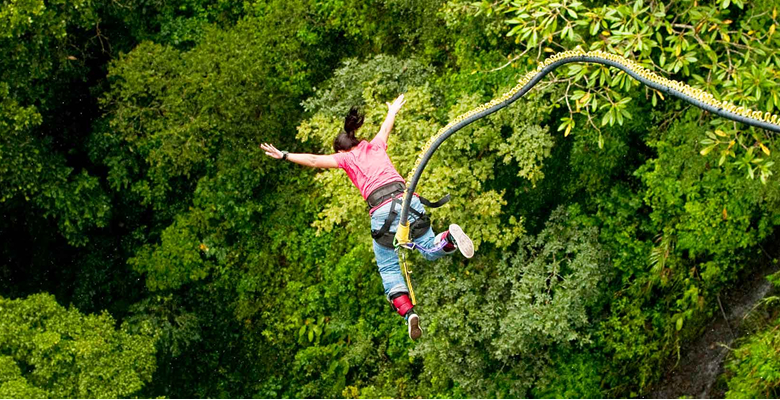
[414, 326]
[462, 241]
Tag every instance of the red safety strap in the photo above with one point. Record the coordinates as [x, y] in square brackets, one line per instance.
[402, 304]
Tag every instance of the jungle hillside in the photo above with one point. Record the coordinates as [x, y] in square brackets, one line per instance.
[149, 248]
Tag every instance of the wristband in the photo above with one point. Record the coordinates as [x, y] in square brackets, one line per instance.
[284, 155]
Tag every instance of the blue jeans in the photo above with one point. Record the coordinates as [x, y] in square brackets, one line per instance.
[387, 259]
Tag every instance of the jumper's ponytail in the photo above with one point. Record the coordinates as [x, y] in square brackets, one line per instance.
[353, 121]
[346, 139]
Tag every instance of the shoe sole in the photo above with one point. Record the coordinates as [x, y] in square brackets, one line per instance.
[414, 327]
[462, 241]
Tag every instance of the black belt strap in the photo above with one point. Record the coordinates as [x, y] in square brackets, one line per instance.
[390, 218]
[442, 201]
[393, 189]
[384, 192]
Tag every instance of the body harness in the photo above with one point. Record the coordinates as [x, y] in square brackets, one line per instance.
[393, 190]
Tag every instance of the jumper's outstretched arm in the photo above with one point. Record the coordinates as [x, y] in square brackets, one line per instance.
[392, 110]
[309, 160]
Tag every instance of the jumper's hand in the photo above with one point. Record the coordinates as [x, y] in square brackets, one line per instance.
[396, 105]
[271, 151]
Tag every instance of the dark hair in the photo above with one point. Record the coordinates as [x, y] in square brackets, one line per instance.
[346, 139]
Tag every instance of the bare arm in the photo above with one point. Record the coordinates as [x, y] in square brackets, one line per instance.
[392, 110]
[309, 160]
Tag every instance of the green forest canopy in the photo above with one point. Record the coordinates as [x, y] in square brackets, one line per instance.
[607, 218]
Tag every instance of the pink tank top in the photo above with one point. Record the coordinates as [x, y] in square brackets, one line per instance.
[368, 166]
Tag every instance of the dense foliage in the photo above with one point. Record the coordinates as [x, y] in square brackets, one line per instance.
[150, 249]
[753, 368]
[49, 351]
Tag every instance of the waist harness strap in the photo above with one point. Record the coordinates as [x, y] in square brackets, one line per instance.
[393, 189]
[382, 193]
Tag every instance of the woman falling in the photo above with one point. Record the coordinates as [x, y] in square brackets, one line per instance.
[371, 171]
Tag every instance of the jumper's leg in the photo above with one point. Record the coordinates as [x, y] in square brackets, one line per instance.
[390, 270]
[395, 288]
[433, 247]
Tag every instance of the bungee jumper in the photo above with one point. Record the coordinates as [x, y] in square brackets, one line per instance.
[369, 168]
[372, 172]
